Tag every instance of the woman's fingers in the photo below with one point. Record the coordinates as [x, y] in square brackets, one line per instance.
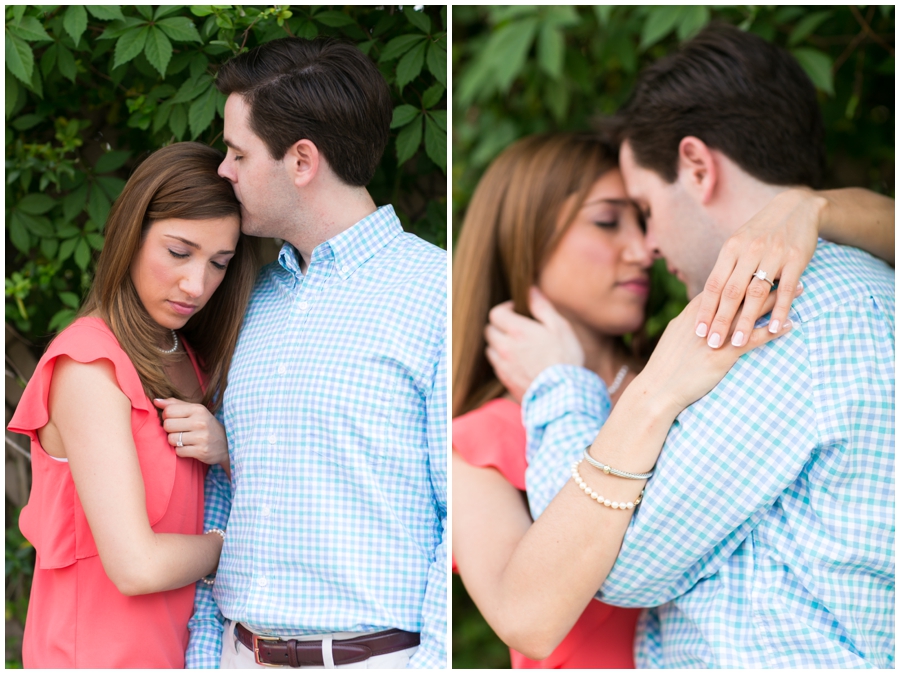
[760, 336]
[741, 287]
[712, 292]
[789, 287]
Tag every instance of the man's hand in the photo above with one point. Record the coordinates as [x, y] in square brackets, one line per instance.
[199, 433]
[779, 240]
[520, 348]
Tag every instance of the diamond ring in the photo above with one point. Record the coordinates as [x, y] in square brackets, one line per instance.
[762, 276]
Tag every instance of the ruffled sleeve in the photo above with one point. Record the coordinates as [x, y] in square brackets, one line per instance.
[53, 520]
[493, 437]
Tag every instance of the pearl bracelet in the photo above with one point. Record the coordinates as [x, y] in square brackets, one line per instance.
[214, 530]
[600, 499]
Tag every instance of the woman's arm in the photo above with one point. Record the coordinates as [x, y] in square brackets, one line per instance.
[781, 240]
[96, 436]
[567, 553]
[490, 517]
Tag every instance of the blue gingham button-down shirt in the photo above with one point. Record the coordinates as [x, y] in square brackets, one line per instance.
[766, 536]
[336, 417]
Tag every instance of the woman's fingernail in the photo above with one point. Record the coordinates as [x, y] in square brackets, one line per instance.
[737, 339]
[787, 325]
[773, 326]
[800, 285]
[714, 341]
[701, 330]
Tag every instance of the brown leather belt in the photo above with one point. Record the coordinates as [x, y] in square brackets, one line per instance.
[293, 653]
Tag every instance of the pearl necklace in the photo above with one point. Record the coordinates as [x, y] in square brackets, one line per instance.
[617, 382]
[174, 346]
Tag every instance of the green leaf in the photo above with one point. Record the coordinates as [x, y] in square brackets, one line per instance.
[112, 186]
[417, 18]
[508, 47]
[180, 29]
[49, 247]
[436, 143]
[191, 89]
[29, 28]
[145, 11]
[18, 233]
[818, 66]
[161, 116]
[399, 46]
[551, 50]
[178, 121]
[603, 13]
[66, 231]
[36, 204]
[334, 19]
[74, 202]
[95, 240]
[82, 254]
[26, 122]
[118, 28]
[75, 21]
[66, 63]
[165, 10]
[67, 247]
[659, 23]
[98, 205]
[199, 64]
[408, 141]
[158, 50]
[787, 14]
[202, 111]
[807, 25]
[307, 30]
[693, 19]
[35, 84]
[403, 115]
[130, 45]
[70, 299]
[432, 95]
[12, 94]
[561, 16]
[111, 161]
[202, 10]
[409, 67]
[19, 58]
[437, 62]
[105, 12]
[48, 60]
[37, 224]
[440, 118]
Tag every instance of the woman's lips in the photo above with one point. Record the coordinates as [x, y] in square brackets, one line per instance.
[183, 309]
[638, 286]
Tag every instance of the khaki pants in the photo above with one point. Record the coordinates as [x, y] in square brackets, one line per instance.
[237, 656]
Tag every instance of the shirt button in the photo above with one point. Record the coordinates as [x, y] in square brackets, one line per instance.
[272, 439]
[345, 269]
[266, 511]
[303, 306]
[282, 368]
[262, 581]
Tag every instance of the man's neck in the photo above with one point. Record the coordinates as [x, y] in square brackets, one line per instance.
[329, 213]
[739, 197]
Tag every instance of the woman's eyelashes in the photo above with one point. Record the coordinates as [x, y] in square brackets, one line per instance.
[221, 266]
[607, 224]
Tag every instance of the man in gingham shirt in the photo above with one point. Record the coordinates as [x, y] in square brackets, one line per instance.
[335, 411]
[766, 536]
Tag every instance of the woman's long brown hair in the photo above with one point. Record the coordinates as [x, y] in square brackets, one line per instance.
[510, 230]
[178, 181]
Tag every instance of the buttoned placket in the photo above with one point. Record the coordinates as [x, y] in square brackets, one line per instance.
[306, 287]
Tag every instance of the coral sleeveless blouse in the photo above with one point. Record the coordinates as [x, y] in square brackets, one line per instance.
[76, 616]
[603, 638]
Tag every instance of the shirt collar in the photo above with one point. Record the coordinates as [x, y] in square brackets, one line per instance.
[352, 247]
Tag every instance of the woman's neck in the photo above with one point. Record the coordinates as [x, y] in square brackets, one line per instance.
[603, 354]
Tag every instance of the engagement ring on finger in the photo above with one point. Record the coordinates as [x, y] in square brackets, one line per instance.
[761, 275]
[180, 437]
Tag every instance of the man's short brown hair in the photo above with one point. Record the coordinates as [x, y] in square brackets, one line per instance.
[739, 94]
[320, 90]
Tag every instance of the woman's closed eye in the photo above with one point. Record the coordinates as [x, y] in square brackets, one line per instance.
[607, 224]
[180, 256]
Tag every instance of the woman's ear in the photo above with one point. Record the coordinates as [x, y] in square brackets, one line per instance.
[697, 168]
[302, 162]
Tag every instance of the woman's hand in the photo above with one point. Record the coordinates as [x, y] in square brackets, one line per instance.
[194, 432]
[779, 240]
[520, 348]
[683, 370]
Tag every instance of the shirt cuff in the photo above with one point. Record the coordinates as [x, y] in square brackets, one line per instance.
[561, 390]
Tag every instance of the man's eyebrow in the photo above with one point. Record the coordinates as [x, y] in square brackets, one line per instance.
[196, 245]
[228, 143]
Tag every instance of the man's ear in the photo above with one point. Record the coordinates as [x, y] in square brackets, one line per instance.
[302, 161]
[697, 168]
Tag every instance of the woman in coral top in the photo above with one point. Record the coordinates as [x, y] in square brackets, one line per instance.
[550, 220]
[118, 412]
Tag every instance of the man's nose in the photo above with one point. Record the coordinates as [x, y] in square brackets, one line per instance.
[226, 170]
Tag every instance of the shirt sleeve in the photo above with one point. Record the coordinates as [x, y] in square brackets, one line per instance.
[727, 460]
[563, 410]
[432, 651]
[206, 625]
